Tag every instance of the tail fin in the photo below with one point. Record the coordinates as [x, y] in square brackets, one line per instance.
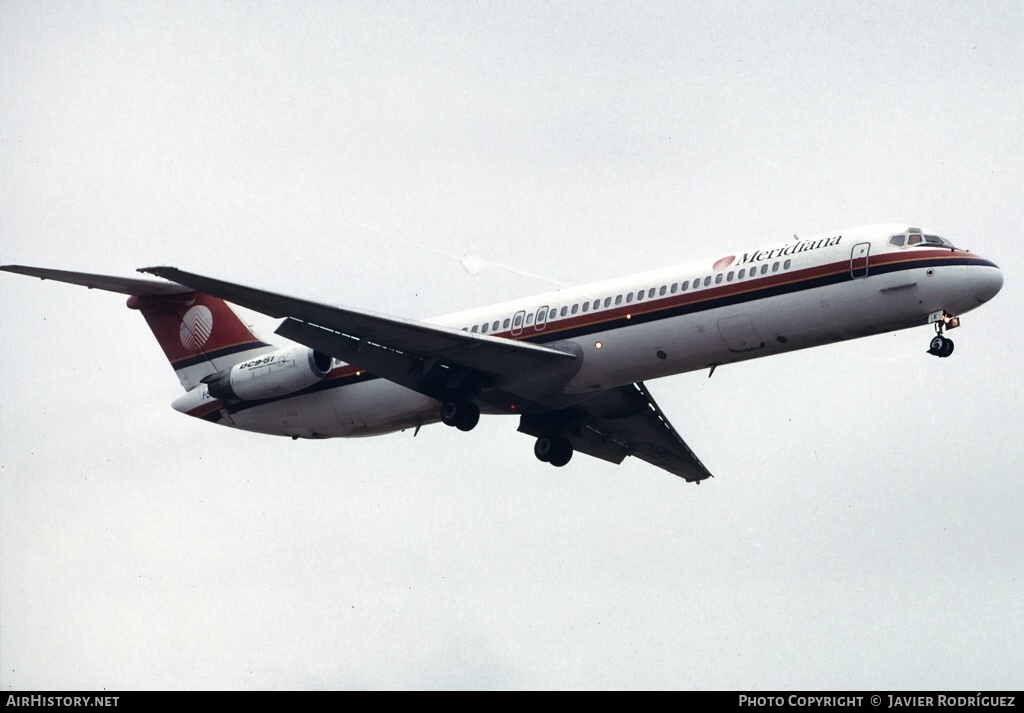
[200, 334]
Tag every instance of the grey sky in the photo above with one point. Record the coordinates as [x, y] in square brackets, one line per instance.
[863, 529]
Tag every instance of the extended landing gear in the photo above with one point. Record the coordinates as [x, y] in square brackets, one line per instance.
[553, 450]
[940, 346]
[463, 415]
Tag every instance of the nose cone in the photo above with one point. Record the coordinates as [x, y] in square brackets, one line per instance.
[987, 283]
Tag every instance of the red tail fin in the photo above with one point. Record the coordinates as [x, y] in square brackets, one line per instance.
[199, 334]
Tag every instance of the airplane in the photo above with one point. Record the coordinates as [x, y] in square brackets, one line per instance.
[571, 364]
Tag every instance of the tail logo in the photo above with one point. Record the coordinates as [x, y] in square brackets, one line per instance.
[196, 325]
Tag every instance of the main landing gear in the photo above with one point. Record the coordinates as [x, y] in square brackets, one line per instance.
[463, 415]
[554, 450]
[941, 346]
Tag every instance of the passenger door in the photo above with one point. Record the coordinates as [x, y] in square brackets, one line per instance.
[859, 260]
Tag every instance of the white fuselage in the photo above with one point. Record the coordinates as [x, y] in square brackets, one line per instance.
[694, 316]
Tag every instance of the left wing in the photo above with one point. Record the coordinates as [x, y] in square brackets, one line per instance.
[428, 358]
[110, 283]
[621, 422]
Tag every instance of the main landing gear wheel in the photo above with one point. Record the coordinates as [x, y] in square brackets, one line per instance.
[463, 415]
[940, 346]
[553, 450]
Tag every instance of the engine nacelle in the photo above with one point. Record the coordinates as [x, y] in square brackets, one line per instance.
[278, 373]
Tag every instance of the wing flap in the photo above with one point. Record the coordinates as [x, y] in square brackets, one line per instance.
[403, 369]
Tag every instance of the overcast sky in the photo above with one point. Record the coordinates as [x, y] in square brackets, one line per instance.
[863, 529]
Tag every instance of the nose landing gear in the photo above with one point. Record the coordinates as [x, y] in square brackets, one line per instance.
[941, 346]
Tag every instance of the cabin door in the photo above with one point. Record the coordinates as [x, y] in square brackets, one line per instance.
[859, 260]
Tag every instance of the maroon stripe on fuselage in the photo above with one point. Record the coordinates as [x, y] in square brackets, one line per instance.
[766, 283]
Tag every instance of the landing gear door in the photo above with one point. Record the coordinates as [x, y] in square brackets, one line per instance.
[859, 260]
[517, 323]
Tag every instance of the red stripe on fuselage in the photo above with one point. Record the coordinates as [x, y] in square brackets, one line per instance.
[725, 289]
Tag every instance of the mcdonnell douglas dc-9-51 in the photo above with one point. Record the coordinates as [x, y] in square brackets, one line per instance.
[570, 364]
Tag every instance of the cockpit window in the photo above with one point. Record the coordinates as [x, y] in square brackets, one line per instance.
[915, 238]
[936, 240]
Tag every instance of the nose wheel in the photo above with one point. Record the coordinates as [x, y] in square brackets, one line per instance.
[941, 346]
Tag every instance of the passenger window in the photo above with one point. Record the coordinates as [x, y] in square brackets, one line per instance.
[775, 267]
[639, 295]
[483, 329]
[707, 281]
[650, 292]
[682, 287]
[597, 304]
[529, 319]
[661, 292]
[516, 322]
[586, 306]
[728, 277]
[629, 298]
[673, 288]
[494, 327]
[764, 269]
[741, 274]
[465, 329]
[607, 302]
[575, 309]
[505, 324]
[786, 265]
[618, 299]
[475, 328]
[564, 311]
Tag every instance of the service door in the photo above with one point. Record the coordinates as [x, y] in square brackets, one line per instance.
[738, 334]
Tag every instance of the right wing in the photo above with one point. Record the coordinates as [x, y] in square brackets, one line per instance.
[621, 422]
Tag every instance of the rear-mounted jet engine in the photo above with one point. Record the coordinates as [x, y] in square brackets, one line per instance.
[278, 373]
